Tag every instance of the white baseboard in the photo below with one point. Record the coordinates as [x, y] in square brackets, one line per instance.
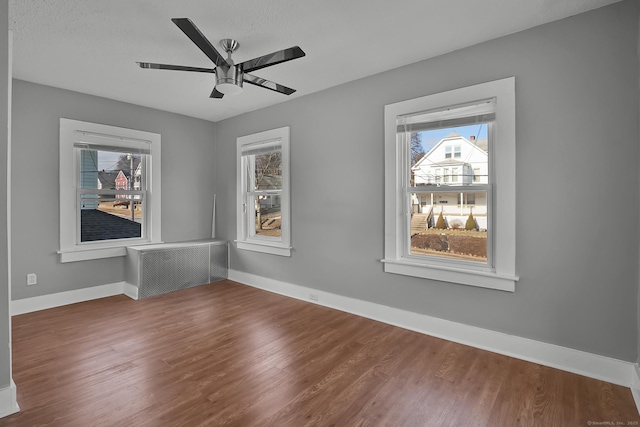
[130, 290]
[579, 362]
[8, 402]
[635, 386]
[28, 305]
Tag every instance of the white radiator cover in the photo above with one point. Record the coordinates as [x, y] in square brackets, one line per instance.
[166, 267]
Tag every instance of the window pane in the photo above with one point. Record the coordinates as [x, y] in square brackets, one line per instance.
[268, 170]
[110, 170]
[109, 217]
[453, 156]
[268, 215]
[449, 225]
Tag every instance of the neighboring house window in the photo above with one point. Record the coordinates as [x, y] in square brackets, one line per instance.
[263, 206]
[467, 244]
[476, 174]
[453, 152]
[109, 190]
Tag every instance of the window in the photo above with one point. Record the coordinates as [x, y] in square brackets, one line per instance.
[462, 242]
[476, 174]
[263, 207]
[453, 152]
[111, 207]
[109, 190]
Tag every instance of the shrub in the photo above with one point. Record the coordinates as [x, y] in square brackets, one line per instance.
[456, 224]
[441, 223]
[471, 223]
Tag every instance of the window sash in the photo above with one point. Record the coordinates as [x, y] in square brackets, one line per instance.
[251, 215]
[447, 184]
[137, 196]
[250, 190]
[437, 259]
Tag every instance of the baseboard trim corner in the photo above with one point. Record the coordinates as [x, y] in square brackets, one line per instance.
[635, 385]
[43, 302]
[130, 290]
[8, 402]
[579, 362]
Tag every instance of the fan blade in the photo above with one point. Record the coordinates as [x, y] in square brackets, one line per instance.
[272, 59]
[216, 94]
[200, 40]
[175, 67]
[267, 84]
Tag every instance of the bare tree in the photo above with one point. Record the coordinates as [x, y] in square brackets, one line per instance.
[417, 152]
[128, 163]
[268, 170]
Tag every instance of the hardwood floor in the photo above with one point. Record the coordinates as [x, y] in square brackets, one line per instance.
[228, 354]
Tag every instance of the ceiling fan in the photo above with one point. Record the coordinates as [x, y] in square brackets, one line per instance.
[230, 76]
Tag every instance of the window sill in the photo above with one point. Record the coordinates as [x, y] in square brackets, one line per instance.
[86, 254]
[264, 248]
[483, 279]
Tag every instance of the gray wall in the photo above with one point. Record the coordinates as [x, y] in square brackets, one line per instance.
[5, 320]
[577, 182]
[187, 177]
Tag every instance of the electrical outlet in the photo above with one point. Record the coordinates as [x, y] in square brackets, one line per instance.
[313, 297]
[32, 279]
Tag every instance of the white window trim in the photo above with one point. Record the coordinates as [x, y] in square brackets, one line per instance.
[244, 241]
[70, 250]
[503, 275]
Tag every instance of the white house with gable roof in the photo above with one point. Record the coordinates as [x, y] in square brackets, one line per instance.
[454, 161]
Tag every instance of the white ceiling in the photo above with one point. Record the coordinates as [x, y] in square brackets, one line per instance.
[92, 46]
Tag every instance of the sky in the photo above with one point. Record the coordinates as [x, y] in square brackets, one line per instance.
[108, 160]
[432, 137]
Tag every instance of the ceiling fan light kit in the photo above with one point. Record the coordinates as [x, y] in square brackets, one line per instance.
[229, 76]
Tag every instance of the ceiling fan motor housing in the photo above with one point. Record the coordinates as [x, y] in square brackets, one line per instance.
[231, 75]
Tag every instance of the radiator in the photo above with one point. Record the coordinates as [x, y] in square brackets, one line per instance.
[167, 267]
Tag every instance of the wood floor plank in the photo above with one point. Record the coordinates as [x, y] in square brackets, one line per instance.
[229, 354]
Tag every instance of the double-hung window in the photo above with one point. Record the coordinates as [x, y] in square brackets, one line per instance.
[460, 229]
[263, 206]
[109, 190]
